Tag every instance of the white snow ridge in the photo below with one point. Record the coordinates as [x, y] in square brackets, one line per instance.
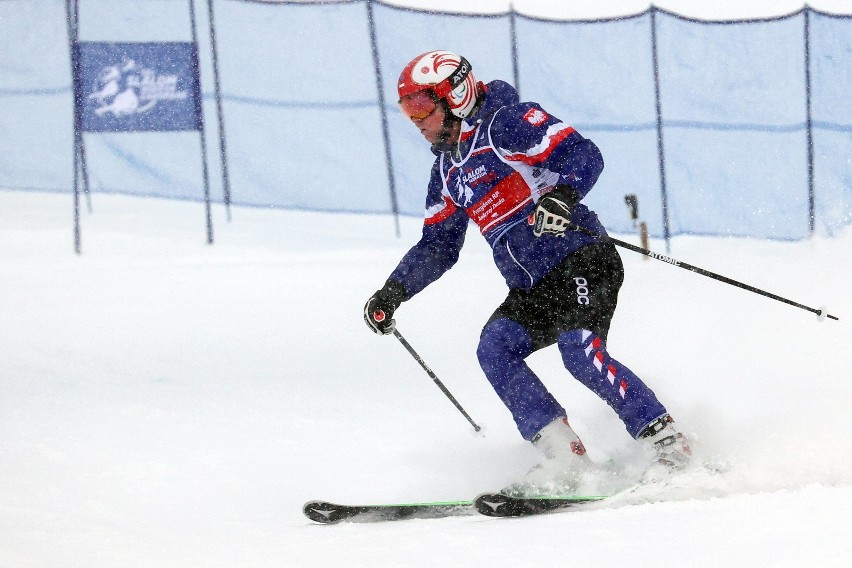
[168, 403]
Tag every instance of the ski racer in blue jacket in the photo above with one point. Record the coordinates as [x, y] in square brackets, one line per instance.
[520, 174]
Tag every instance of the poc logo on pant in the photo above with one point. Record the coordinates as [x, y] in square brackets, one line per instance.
[582, 290]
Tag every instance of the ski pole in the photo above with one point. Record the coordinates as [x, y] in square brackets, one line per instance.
[820, 312]
[434, 378]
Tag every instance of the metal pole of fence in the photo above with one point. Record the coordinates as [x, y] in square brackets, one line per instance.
[660, 148]
[200, 123]
[383, 112]
[809, 123]
[81, 143]
[514, 41]
[71, 17]
[223, 155]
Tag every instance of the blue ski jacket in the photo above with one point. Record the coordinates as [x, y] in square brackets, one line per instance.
[509, 155]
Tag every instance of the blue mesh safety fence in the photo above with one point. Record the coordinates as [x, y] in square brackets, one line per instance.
[720, 128]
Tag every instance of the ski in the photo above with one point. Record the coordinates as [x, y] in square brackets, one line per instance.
[488, 504]
[330, 513]
[499, 505]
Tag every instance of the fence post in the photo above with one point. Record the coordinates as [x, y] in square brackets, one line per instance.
[71, 18]
[383, 112]
[660, 149]
[217, 86]
[809, 123]
[200, 113]
[514, 40]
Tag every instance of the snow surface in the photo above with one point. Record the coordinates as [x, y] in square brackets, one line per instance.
[165, 403]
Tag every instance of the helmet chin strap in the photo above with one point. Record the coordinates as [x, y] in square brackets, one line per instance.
[444, 143]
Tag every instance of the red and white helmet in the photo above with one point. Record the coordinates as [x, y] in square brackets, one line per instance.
[444, 75]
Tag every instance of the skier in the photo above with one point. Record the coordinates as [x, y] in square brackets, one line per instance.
[520, 174]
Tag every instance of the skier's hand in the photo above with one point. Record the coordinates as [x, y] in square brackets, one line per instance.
[379, 309]
[552, 215]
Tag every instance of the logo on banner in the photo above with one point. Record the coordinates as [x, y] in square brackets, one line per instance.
[133, 87]
[129, 88]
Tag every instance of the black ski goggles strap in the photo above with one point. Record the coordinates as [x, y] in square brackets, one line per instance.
[454, 80]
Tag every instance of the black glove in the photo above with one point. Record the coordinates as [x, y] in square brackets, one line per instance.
[553, 212]
[379, 309]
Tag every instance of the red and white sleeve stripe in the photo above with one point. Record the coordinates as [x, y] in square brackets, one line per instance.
[555, 134]
[440, 211]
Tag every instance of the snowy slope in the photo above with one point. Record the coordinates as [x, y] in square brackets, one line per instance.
[168, 403]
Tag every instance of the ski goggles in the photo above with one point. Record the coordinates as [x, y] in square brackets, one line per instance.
[418, 105]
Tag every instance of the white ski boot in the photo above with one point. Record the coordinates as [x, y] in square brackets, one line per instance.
[565, 463]
[670, 446]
